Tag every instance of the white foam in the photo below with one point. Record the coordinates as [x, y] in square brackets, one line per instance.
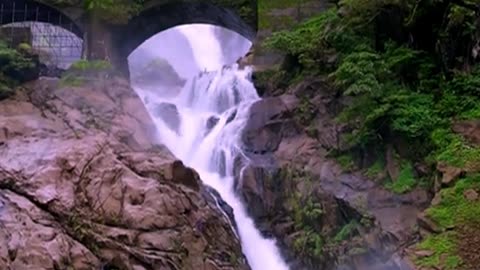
[211, 152]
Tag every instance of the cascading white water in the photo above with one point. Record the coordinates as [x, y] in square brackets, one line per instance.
[202, 127]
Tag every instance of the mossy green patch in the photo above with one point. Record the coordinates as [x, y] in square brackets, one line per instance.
[454, 150]
[454, 208]
[72, 80]
[405, 181]
[376, 169]
[454, 211]
[83, 71]
[445, 252]
[91, 65]
[346, 162]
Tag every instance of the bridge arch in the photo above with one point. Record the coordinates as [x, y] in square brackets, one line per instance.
[57, 39]
[164, 16]
[15, 11]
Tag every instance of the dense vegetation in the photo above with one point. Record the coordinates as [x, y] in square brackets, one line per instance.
[404, 87]
[16, 66]
[409, 69]
[114, 11]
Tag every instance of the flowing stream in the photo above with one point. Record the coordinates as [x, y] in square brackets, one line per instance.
[201, 125]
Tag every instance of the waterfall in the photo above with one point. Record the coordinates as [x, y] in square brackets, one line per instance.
[201, 125]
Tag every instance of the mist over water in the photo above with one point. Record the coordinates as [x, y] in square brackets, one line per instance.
[201, 124]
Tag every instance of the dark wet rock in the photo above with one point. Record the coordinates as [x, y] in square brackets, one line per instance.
[84, 185]
[267, 122]
[211, 123]
[185, 176]
[231, 116]
[156, 72]
[226, 209]
[51, 71]
[169, 114]
[298, 174]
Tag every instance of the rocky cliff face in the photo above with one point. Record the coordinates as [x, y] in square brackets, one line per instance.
[83, 185]
[325, 217]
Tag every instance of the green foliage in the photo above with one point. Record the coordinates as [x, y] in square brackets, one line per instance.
[347, 231]
[114, 11]
[454, 208]
[83, 71]
[376, 169]
[12, 61]
[87, 65]
[5, 91]
[306, 214]
[453, 150]
[243, 8]
[81, 229]
[444, 248]
[305, 41]
[454, 211]
[383, 104]
[25, 47]
[362, 12]
[346, 162]
[401, 90]
[14, 67]
[72, 80]
[405, 182]
[309, 243]
[396, 91]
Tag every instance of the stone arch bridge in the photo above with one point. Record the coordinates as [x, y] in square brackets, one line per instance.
[109, 37]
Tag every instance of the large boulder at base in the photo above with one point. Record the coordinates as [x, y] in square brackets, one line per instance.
[83, 185]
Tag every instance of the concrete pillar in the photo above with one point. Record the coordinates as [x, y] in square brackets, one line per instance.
[99, 44]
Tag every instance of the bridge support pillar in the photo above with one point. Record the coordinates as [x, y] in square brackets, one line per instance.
[99, 44]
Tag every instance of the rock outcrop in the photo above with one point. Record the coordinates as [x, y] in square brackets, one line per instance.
[83, 185]
[295, 190]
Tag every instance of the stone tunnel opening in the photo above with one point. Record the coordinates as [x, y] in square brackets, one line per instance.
[47, 32]
[168, 59]
[159, 20]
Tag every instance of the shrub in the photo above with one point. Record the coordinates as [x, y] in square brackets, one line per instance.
[16, 66]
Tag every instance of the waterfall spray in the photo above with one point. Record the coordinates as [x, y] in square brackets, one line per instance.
[210, 113]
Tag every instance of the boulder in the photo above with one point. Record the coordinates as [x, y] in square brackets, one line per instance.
[84, 185]
[168, 113]
[266, 124]
[470, 195]
[470, 129]
[449, 173]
